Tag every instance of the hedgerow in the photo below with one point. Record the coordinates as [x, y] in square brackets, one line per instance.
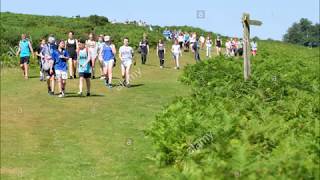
[265, 128]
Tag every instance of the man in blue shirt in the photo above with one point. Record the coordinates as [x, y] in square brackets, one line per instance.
[60, 57]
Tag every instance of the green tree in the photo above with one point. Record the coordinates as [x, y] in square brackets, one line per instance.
[302, 32]
[98, 20]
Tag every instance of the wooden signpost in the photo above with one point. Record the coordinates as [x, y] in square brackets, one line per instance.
[246, 22]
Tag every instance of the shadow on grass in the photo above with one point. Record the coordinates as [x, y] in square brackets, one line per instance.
[131, 86]
[75, 95]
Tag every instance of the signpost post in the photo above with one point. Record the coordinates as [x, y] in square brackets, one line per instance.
[246, 22]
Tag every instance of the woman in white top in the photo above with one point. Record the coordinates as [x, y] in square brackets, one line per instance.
[193, 40]
[176, 52]
[202, 41]
[100, 45]
[91, 44]
[208, 46]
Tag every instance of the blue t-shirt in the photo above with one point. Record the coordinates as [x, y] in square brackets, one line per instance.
[60, 63]
[83, 57]
[107, 53]
[24, 48]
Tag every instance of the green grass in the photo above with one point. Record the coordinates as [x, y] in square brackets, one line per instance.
[44, 137]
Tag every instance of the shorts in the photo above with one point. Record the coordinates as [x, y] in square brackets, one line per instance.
[175, 56]
[105, 63]
[47, 74]
[181, 44]
[73, 55]
[126, 64]
[84, 75]
[61, 74]
[254, 51]
[25, 60]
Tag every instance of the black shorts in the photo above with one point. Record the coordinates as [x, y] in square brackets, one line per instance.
[73, 55]
[85, 75]
[181, 44]
[24, 60]
[47, 74]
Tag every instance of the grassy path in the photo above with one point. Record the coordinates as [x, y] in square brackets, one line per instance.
[97, 137]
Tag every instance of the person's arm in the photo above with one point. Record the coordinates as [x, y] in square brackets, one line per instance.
[114, 51]
[31, 49]
[132, 52]
[51, 62]
[38, 54]
[157, 50]
[120, 54]
[77, 45]
[66, 55]
[88, 58]
[18, 52]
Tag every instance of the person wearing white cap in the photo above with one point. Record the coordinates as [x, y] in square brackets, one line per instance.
[108, 53]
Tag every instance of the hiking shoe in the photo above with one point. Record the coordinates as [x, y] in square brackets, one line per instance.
[102, 77]
[88, 94]
[93, 77]
[124, 83]
[79, 93]
[74, 76]
[128, 85]
[106, 82]
[70, 77]
[110, 86]
[61, 95]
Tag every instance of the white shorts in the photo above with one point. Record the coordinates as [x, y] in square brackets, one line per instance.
[106, 63]
[126, 64]
[61, 74]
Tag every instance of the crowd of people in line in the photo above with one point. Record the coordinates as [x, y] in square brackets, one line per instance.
[62, 59]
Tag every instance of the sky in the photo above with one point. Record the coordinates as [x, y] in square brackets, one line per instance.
[223, 17]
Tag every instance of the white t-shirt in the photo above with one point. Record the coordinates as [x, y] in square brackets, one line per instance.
[228, 44]
[126, 53]
[208, 42]
[201, 39]
[181, 38]
[254, 46]
[176, 49]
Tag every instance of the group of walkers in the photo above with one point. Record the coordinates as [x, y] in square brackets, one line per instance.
[62, 59]
[57, 57]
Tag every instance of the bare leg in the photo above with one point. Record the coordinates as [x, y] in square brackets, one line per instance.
[25, 70]
[93, 61]
[88, 84]
[110, 66]
[80, 84]
[128, 74]
[52, 84]
[60, 85]
[70, 67]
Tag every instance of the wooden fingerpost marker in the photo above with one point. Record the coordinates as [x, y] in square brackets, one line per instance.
[246, 22]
